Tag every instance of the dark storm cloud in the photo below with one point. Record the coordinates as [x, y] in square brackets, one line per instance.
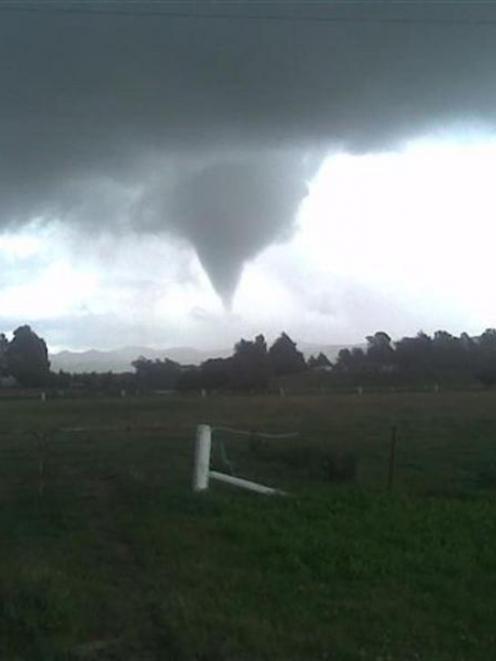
[202, 125]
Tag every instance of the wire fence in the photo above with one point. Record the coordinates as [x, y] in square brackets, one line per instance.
[426, 456]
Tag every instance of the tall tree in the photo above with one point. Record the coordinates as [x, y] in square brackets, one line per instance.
[215, 373]
[250, 364]
[27, 358]
[319, 362]
[4, 345]
[486, 357]
[414, 354]
[285, 357]
[379, 349]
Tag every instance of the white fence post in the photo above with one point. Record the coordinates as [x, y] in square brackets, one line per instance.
[202, 457]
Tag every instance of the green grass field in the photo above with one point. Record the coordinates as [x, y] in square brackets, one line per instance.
[106, 553]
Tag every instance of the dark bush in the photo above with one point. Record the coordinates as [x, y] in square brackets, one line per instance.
[487, 378]
[341, 467]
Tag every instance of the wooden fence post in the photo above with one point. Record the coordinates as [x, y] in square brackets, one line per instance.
[392, 458]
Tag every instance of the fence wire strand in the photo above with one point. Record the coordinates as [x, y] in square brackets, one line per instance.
[259, 434]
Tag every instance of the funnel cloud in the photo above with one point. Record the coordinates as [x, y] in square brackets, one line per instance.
[231, 209]
[201, 126]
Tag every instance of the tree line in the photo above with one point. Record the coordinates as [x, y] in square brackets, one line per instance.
[251, 367]
[441, 357]
[254, 366]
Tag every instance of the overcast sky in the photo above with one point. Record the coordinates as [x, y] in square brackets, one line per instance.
[185, 179]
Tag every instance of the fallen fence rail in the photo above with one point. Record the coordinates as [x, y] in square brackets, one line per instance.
[201, 468]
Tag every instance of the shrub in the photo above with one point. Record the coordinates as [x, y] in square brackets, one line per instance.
[341, 467]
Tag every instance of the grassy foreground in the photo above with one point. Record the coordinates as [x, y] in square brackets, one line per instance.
[106, 554]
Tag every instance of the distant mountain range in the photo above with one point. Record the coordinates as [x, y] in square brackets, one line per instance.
[119, 360]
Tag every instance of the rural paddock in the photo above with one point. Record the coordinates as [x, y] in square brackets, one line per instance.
[107, 553]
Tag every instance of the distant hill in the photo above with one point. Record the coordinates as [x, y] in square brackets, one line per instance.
[119, 360]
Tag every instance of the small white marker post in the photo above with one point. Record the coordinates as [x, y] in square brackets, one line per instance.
[202, 457]
[43, 396]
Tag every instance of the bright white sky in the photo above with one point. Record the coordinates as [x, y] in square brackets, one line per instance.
[397, 241]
